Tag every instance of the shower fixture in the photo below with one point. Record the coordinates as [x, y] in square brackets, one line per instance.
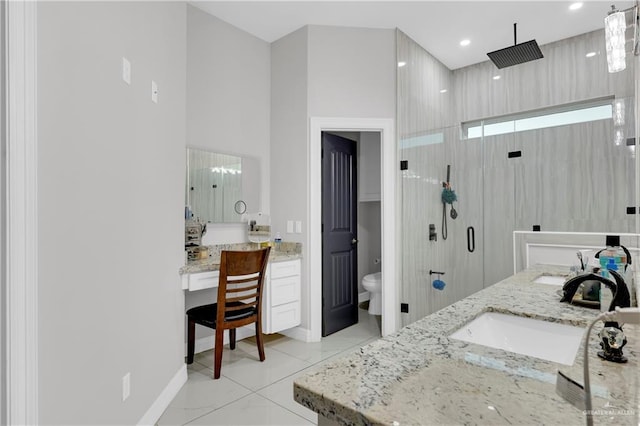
[516, 54]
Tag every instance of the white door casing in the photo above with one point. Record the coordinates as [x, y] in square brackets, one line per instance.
[389, 205]
[21, 221]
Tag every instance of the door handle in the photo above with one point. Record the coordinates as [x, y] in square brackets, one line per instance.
[471, 239]
[354, 241]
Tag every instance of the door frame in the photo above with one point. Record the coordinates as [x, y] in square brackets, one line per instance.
[20, 216]
[389, 206]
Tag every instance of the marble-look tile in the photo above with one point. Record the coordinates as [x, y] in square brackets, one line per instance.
[199, 396]
[253, 409]
[281, 393]
[243, 366]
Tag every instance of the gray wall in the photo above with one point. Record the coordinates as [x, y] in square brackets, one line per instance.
[111, 190]
[351, 72]
[228, 111]
[228, 92]
[321, 71]
[3, 238]
[289, 141]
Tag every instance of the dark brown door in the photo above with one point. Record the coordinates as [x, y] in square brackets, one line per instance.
[339, 234]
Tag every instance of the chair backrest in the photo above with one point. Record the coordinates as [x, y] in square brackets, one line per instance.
[240, 287]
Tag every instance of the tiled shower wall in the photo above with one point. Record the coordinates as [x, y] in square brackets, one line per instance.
[569, 178]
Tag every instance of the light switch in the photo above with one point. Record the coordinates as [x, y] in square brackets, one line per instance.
[289, 227]
[298, 227]
[154, 91]
[126, 70]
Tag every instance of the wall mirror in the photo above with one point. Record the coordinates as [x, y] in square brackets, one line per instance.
[221, 187]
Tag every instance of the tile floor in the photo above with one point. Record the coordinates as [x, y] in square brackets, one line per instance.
[251, 392]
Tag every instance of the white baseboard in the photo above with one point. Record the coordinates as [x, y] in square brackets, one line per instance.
[207, 343]
[298, 333]
[158, 407]
[363, 297]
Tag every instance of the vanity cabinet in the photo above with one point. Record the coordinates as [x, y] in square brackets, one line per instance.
[281, 294]
[281, 304]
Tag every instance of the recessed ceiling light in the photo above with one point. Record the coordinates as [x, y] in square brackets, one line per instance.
[590, 54]
[575, 6]
[465, 42]
[402, 64]
[496, 77]
[443, 91]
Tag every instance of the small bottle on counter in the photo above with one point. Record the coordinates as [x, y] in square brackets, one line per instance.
[613, 257]
[278, 241]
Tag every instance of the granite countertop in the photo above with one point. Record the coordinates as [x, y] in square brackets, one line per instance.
[286, 251]
[419, 376]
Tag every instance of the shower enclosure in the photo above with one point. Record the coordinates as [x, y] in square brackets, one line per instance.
[548, 145]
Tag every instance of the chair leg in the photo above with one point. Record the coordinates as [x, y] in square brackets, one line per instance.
[191, 341]
[232, 338]
[259, 341]
[217, 362]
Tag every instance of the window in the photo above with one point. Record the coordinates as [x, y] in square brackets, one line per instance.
[549, 117]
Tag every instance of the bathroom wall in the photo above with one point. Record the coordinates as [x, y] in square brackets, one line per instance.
[3, 239]
[228, 111]
[321, 71]
[569, 178]
[229, 93]
[369, 212]
[110, 186]
[288, 143]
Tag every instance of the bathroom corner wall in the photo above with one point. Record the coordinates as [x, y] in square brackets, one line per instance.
[289, 147]
[229, 94]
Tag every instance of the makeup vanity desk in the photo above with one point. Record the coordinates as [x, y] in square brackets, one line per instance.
[281, 293]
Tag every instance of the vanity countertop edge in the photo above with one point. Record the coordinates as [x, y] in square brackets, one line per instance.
[212, 263]
[419, 375]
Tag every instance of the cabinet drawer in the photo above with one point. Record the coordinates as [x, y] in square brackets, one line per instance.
[285, 316]
[285, 269]
[203, 280]
[285, 290]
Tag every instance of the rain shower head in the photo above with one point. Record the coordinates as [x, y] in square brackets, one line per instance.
[516, 54]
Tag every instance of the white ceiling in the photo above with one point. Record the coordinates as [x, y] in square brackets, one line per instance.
[438, 26]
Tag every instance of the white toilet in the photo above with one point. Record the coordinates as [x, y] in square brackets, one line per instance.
[373, 284]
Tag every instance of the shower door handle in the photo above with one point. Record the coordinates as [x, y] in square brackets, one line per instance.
[471, 239]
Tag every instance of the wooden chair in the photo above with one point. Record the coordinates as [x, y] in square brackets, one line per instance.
[239, 302]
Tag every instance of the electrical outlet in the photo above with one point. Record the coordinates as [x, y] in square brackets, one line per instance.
[298, 227]
[126, 386]
[126, 70]
[289, 227]
[154, 92]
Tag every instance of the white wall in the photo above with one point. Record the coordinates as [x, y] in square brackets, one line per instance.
[228, 93]
[111, 189]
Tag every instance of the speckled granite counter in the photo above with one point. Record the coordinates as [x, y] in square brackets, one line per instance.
[419, 376]
[287, 251]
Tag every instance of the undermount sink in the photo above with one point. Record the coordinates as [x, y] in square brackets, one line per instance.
[551, 279]
[540, 339]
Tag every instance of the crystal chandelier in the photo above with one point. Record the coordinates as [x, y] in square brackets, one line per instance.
[615, 26]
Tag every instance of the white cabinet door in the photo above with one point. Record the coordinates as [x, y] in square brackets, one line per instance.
[281, 309]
